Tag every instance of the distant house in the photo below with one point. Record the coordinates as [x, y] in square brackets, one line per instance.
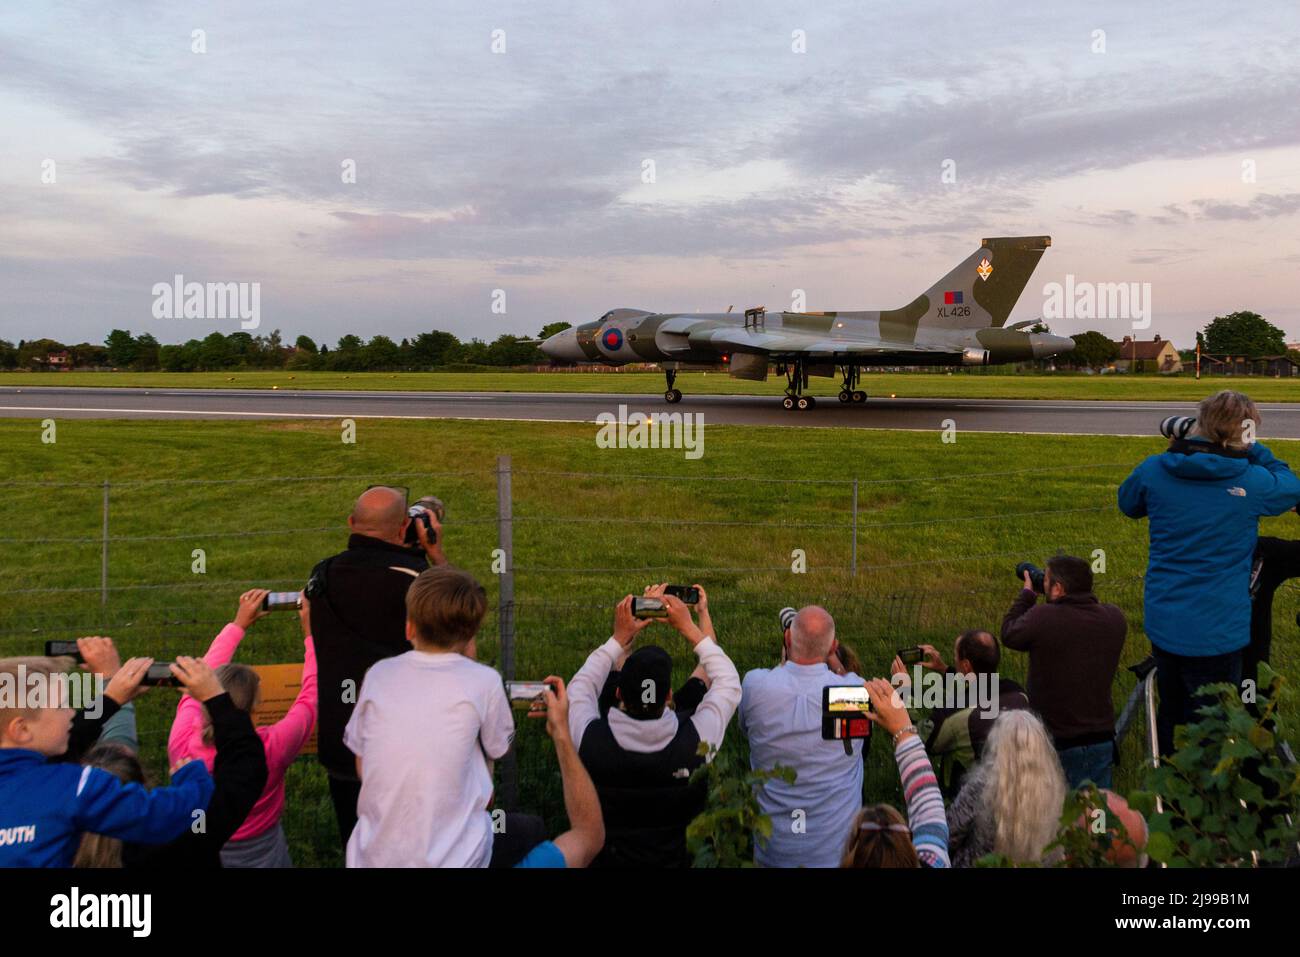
[1156, 355]
[59, 361]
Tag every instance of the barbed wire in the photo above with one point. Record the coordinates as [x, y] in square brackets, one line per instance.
[134, 483]
[204, 535]
[792, 481]
[846, 525]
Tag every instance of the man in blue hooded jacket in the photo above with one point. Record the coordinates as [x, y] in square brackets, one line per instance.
[1204, 497]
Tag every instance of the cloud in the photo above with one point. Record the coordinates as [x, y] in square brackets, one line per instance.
[1263, 206]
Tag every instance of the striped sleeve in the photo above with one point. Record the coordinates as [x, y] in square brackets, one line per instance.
[925, 813]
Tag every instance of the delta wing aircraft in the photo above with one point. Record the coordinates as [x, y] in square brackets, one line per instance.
[959, 321]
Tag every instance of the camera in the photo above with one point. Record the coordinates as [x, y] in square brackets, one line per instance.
[689, 595]
[643, 607]
[523, 694]
[648, 608]
[1035, 575]
[282, 601]
[844, 713]
[419, 514]
[159, 675]
[1177, 426]
[63, 649]
[911, 656]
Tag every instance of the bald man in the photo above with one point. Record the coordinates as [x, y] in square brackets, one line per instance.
[358, 617]
[781, 714]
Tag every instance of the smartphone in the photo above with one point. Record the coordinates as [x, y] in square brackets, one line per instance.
[522, 694]
[844, 712]
[63, 649]
[282, 601]
[160, 675]
[911, 656]
[648, 608]
[687, 593]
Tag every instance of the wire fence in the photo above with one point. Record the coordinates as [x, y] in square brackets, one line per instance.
[158, 563]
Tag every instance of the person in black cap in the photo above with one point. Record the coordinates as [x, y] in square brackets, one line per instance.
[640, 752]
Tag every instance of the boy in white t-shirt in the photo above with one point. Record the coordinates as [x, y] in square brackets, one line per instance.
[427, 727]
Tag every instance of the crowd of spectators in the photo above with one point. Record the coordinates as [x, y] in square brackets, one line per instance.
[410, 724]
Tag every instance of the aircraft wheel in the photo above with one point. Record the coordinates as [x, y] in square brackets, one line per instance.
[673, 395]
[804, 403]
[787, 403]
[845, 397]
[859, 396]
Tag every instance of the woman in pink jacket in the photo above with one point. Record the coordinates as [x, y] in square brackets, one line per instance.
[260, 840]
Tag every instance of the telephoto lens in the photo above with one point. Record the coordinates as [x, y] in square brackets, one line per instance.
[1177, 426]
[1035, 575]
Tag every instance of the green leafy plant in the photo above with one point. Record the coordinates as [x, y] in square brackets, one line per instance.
[1230, 798]
[723, 834]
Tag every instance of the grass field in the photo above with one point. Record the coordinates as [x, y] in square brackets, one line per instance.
[939, 530]
[967, 385]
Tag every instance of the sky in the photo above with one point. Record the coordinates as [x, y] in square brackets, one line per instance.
[502, 153]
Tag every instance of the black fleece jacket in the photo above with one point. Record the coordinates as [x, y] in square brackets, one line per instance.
[239, 777]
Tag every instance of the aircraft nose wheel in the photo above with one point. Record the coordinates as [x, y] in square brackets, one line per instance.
[673, 395]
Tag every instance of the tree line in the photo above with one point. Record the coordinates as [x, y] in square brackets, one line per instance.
[241, 350]
[1241, 334]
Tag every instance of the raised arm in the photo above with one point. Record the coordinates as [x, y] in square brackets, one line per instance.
[586, 834]
[925, 815]
[584, 689]
[1284, 492]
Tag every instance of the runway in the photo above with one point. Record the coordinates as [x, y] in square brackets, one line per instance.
[1065, 417]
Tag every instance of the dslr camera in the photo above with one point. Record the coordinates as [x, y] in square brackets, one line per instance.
[1035, 575]
[419, 512]
[1177, 426]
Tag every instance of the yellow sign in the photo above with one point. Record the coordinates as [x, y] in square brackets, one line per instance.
[280, 687]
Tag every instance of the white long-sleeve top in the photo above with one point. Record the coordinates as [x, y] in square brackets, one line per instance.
[711, 717]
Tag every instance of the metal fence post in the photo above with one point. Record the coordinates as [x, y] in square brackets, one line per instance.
[103, 556]
[855, 527]
[506, 614]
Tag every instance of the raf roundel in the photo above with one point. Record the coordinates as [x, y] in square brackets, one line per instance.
[613, 339]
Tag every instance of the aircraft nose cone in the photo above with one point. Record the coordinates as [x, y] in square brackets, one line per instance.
[563, 347]
[1045, 345]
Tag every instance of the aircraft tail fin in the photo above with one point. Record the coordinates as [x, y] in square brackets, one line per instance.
[984, 288]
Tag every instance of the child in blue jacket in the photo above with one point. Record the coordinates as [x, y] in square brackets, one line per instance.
[45, 806]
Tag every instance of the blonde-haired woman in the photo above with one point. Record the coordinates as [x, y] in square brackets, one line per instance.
[1012, 800]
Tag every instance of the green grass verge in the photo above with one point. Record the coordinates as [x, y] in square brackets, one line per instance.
[940, 528]
[975, 384]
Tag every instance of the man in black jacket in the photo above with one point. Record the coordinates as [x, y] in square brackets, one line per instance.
[358, 614]
[1074, 644]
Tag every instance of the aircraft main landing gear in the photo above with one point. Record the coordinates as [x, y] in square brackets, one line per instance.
[796, 381]
[847, 391]
[673, 394]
